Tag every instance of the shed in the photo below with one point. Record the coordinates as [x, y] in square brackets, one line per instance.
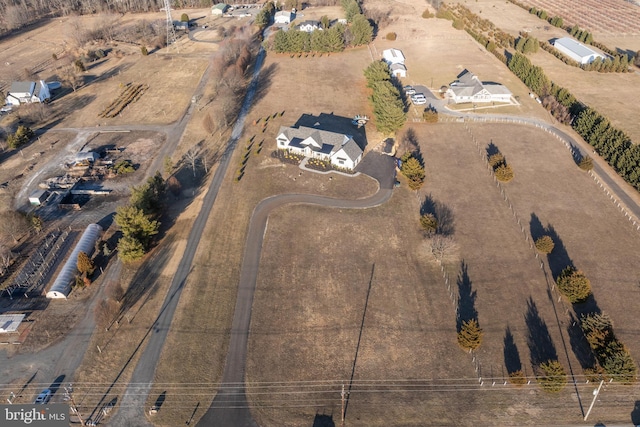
[86, 156]
[576, 50]
[398, 70]
[37, 197]
[62, 285]
[28, 92]
[10, 322]
[219, 9]
[283, 17]
[393, 56]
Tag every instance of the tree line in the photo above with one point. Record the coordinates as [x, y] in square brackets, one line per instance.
[388, 106]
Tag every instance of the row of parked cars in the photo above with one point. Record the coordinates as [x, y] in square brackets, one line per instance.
[416, 98]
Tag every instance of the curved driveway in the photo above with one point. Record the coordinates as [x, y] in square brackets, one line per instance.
[230, 406]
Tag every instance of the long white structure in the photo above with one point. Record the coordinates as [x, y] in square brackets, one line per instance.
[62, 286]
[576, 50]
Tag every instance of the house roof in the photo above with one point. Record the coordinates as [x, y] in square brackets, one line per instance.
[283, 13]
[220, 6]
[310, 22]
[22, 87]
[323, 141]
[575, 47]
[496, 89]
[393, 55]
[468, 84]
[397, 66]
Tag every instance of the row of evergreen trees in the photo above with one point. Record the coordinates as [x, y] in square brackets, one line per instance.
[388, 106]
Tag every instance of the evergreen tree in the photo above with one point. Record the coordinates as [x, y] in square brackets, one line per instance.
[361, 30]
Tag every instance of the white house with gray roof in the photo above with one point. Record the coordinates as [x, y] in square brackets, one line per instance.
[339, 149]
[28, 92]
[469, 89]
[576, 50]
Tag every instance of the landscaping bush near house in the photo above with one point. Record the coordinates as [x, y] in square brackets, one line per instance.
[574, 285]
[287, 156]
[470, 335]
[545, 244]
[552, 377]
[320, 165]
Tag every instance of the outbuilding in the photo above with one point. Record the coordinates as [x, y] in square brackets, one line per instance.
[37, 197]
[283, 17]
[576, 50]
[398, 70]
[219, 9]
[393, 56]
[28, 92]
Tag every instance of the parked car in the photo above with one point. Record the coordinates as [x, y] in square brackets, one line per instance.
[419, 101]
[409, 90]
[43, 397]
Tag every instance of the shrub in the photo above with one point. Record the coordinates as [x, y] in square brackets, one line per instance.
[429, 223]
[586, 163]
[144, 51]
[496, 160]
[619, 364]
[413, 170]
[430, 115]
[21, 136]
[545, 244]
[427, 14]
[470, 335]
[184, 18]
[123, 167]
[130, 249]
[574, 285]
[517, 377]
[391, 36]
[504, 173]
[552, 377]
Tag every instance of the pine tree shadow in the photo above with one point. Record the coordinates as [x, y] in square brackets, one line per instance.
[559, 258]
[579, 344]
[635, 414]
[511, 354]
[541, 347]
[321, 420]
[443, 214]
[492, 149]
[466, 297]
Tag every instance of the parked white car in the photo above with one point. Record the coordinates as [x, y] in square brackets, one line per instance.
[43, 397]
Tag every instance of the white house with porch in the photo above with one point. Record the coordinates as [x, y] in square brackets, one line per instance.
[338, 149]
[469, 89]
[28, 92]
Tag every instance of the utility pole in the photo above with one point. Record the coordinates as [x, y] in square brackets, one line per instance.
[343, 396]
[595, 396]
[68, 394]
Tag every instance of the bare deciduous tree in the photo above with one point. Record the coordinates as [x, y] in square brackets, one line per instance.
[442, 247]
[191, 157]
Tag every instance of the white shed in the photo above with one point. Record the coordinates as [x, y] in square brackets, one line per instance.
[28, 92]
[62, 286]
[576, 50]
[398, 70]
[37, 197]
[393, 56]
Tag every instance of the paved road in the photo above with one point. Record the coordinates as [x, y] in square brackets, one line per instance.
[132, 404]
[230, 407]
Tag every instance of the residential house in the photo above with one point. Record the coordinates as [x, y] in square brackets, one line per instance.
[28, 92]
[469, 89]
[338, 149]
[310, 26]
[283, 17]
[219, 9]
[576, 50]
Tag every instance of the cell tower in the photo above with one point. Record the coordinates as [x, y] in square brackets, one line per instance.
[171, 32]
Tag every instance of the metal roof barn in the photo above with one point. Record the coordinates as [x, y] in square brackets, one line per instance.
[62, 286]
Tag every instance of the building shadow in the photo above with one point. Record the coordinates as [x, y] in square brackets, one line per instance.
[466, 297]
[443, 213]
[541, 347]
[511, 354]
[332, 123]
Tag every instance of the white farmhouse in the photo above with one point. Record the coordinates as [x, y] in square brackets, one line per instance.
[468, 88]
[28, 92]
[283, 17]
[576, 50]
[310, 26]
[339, 149]
[393, 56]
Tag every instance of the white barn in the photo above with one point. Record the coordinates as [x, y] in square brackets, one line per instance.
[393, 56]
[28, 92]
[283, 17]
[339, 149]
[469, 89]
[219, 9]
[576, 50]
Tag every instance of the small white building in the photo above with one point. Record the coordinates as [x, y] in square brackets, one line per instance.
[28, 92]
[37, 197]
[398, 70]
[469, 89]
[283, 17]
[10, 322]
[219, 9]
[339, 149]
[393, 56]
[576, 50]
